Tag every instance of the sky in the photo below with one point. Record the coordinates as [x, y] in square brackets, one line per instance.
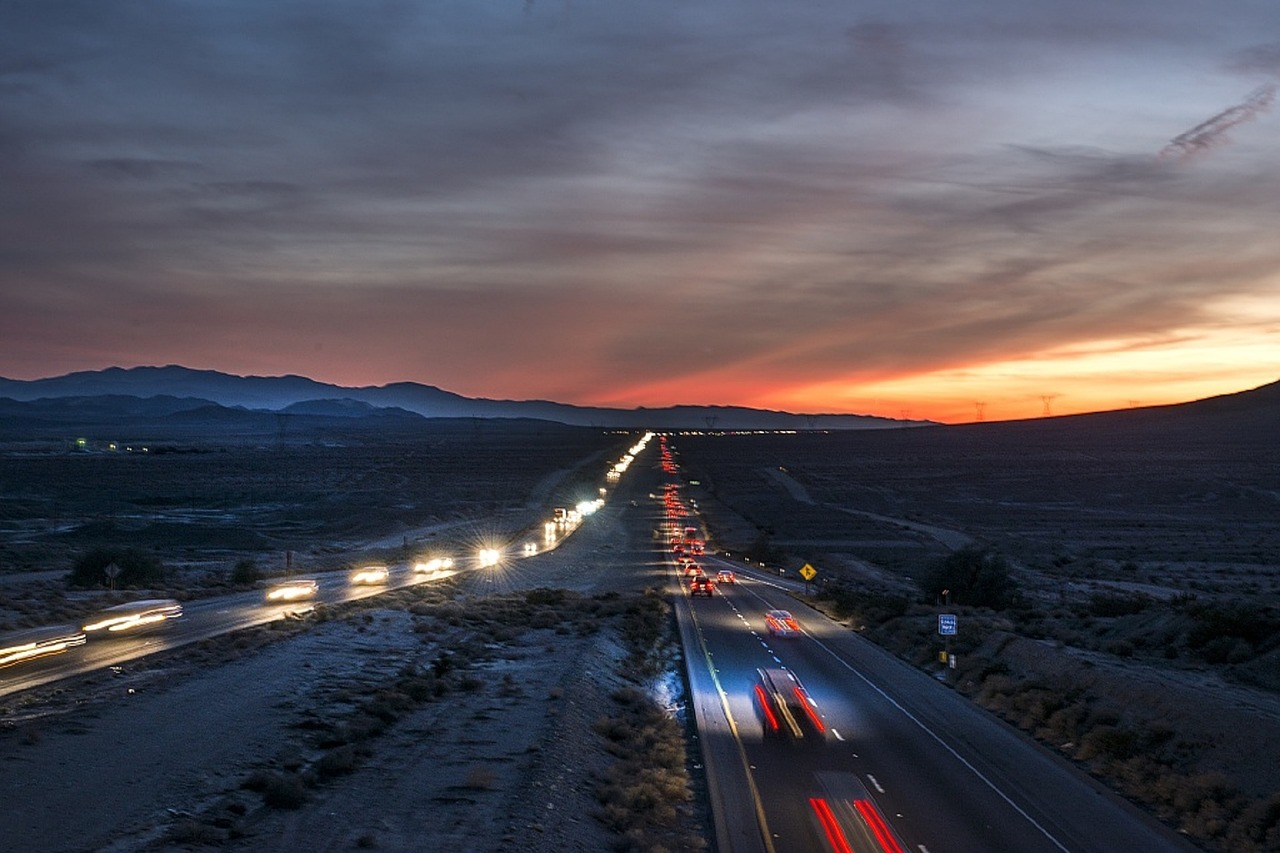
[987, 210]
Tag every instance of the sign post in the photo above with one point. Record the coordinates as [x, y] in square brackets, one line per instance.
[807, 572]
[947, 625]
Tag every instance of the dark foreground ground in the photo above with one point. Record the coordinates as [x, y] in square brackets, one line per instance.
[1137, 629]
[1116, 581]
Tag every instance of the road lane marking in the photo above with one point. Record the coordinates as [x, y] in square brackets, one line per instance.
[837, 734]
[1001, 794]
[930, 732]
[762, 823]
[875, 783]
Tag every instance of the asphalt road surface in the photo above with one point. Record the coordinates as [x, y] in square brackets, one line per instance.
[947, 776]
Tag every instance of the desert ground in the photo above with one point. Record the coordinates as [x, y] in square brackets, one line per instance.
[1137, 629]
[536, 707]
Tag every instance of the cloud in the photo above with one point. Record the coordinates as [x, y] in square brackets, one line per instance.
[649, 196]
[1257, 59]
[1213, 132]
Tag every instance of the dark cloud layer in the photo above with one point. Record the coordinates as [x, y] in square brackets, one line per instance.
[649, 196]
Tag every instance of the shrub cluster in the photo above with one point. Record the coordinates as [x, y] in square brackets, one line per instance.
[971, 577]
[644, 628]
[246, 572]
[642, 792]
[137, 568]
[1146, 760]
[864, 606]
[1231, 633]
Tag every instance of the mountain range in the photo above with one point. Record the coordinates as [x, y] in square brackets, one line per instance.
[192, 400]
[171, 391]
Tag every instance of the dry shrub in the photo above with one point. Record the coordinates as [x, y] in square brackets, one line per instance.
[279, 790]
[338, 762]
[192, 831]
[481, 779]
[642, 793]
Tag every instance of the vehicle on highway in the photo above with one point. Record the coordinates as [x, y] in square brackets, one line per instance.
[132, 617]
[31, 643]
[692, 569]
[786, 707]
[781, 623]
[433, 566]
[847, 818]
[293, 589]
[370, 575]
[726, 576]
[701, 585]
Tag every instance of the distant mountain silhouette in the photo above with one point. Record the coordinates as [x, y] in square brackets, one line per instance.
[182, 389]
[1239, 419]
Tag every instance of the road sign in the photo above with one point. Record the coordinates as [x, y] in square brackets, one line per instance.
[947, 624]
[808, 572]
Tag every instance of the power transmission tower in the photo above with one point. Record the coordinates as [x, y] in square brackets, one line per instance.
[980, 409]
[1047, 399]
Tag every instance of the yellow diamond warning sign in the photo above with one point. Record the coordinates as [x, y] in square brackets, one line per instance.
[808, 572]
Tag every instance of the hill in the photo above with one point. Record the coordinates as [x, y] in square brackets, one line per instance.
[297, 394]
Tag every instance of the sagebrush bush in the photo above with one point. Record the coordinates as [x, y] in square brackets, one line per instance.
[137, 568]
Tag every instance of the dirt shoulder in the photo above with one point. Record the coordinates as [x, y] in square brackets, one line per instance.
[425, 725]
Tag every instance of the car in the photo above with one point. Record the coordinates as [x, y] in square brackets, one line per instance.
[133, 617]
[692, 569]
[786, 707]
[726, 576]
[701, 585]
[433, 566]
[294, 589]
[782, 624]
[18, 646]
[369, 575]
[846, 816]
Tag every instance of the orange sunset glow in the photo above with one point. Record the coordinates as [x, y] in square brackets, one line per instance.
[971, 212]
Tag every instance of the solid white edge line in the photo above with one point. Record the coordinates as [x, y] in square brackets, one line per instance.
[976, 772]
[944, 745]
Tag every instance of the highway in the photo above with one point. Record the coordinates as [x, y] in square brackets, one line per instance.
[943, 775]
[200, 620]
[204, 618]
[946, 775]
